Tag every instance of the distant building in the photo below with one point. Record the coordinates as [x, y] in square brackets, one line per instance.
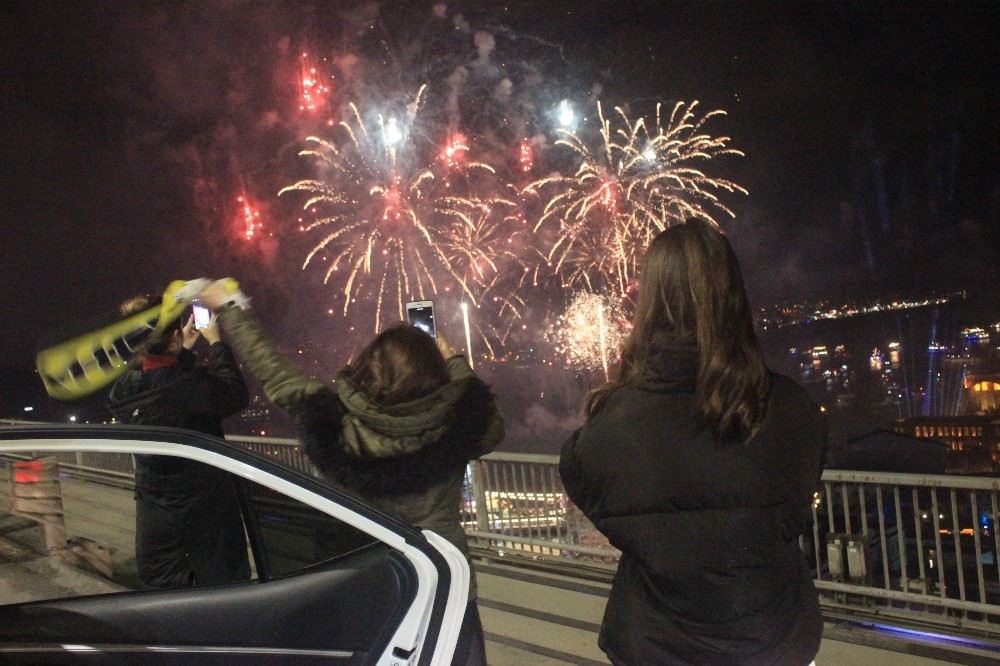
[973, 441]
[982, 393]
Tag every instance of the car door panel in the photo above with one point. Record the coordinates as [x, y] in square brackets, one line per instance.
[380, 599]
[350, 606]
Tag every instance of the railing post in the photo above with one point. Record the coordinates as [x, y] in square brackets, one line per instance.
[479, 493]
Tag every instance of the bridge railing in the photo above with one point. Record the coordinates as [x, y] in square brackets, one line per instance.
[909, 546]
[883, 545]
[902, 546]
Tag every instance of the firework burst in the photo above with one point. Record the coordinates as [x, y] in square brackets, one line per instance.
[395, 219]
[642, 178]
[248, 219]
[589, 334]
[314, 85]
[483, 239]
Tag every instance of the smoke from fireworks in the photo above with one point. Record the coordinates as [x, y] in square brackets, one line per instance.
[642, 178]
[589, 334]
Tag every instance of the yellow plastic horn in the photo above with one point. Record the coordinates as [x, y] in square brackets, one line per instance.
[87, 363]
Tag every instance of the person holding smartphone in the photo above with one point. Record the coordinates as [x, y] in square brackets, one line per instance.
[189, 529]
[399, 426]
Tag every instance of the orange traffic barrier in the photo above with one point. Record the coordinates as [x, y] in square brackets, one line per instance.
[30, 471]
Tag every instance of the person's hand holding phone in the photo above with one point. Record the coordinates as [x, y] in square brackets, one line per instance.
[189, 334]
[202, 315]
[211, 332]
[421, 315]
[446, 349]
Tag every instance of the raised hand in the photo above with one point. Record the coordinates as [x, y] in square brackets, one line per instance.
[215, 295]
[211, 332]
[189, 334]
[445, 347]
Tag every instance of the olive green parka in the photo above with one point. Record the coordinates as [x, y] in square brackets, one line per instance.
[407, 459]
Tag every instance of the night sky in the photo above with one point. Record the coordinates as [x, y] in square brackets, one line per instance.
[869, 129]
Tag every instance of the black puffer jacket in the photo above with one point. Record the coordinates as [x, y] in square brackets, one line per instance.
[189, 530]
[184, 395]
[711, 571]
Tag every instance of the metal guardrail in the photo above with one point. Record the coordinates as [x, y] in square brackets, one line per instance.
[910, 546]
[903, 546]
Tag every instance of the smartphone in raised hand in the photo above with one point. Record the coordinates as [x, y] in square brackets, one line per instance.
[421, 315]
[202, 316]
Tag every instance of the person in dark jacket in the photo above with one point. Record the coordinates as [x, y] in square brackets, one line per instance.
[700, 465]
[189, 528]
[399, 426]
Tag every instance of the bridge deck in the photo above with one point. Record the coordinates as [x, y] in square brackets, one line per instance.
[534, 617]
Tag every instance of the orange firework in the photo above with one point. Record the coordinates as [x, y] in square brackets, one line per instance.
[589, 334]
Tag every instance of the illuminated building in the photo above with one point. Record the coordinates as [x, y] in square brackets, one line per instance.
[982, 393]
[973, 441]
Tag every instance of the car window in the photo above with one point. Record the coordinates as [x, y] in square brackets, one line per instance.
[64, 532]
[82, 523]
[294, 536]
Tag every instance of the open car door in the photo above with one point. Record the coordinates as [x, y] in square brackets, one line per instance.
[333, 579]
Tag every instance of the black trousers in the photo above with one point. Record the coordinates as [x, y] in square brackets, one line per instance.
[189, 529]
[471, 647]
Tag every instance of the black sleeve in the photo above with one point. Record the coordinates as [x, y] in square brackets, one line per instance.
[478, 426]
[226, 387]
[810, 455]
[572, 476]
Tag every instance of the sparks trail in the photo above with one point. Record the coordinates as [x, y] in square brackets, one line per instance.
[248, 218]
[314, 85]
[637, 182]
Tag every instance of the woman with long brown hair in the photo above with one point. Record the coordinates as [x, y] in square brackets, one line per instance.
[398, 426]
[700, 464]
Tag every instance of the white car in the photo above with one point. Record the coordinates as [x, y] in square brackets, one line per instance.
[334, 579]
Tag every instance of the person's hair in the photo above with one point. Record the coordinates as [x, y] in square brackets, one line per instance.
[156, 343]
[691, 292]
[401, 364]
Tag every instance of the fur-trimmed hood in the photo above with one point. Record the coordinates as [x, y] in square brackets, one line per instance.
[404, 448]
[374, 431]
